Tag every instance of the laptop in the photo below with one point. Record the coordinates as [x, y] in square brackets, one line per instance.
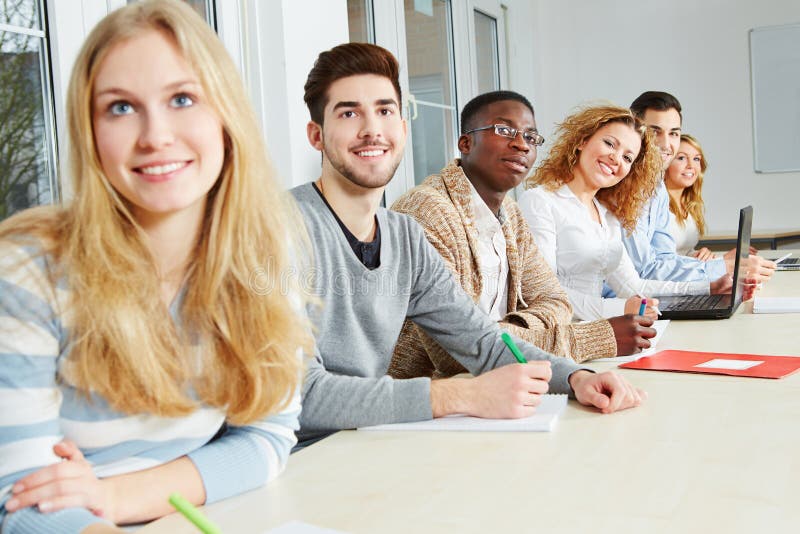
[789, 264]
[714, 306]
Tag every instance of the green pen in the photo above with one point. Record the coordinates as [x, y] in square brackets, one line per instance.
[514, 349]
[193, 514]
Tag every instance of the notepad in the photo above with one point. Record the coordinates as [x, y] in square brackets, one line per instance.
[543, 420]
[776, 305]
[660, 326]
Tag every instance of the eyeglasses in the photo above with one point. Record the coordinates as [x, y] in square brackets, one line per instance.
[531, 137]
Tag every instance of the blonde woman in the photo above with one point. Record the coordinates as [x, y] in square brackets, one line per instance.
[132, 345]
[684, 182]
[594, 183]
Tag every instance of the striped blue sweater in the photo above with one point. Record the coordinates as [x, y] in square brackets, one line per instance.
[38, 409]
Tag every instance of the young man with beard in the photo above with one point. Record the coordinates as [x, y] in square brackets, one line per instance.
[373, 269]
[651, 247]
[484, 240]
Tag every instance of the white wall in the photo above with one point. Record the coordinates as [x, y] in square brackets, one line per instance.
[282, 41]
[696, 50]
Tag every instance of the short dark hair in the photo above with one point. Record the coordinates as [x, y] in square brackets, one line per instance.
[342, 61]
[475, 105]
[657, 100]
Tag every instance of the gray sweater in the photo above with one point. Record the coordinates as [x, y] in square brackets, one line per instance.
[359, 316]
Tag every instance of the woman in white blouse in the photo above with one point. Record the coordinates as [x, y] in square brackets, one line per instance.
[597, 178]
[684, 182]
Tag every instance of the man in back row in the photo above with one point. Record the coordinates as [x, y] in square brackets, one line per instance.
[373, 269]
[651, 247]
[484, 240]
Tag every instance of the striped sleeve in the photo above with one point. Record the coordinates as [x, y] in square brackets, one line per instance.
[30, 343]
[247, 457]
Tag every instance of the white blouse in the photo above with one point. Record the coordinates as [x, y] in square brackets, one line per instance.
[686, 237]
[585, 254]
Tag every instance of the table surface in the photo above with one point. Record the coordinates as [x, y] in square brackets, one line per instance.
[705, 453]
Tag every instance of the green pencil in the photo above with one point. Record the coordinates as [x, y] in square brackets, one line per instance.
[193, 514]
[514, 349]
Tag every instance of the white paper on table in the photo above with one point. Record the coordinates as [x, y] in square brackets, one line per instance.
[660, 326]
[736, 365]
[542, 421]
[776, 305]
[298, 527]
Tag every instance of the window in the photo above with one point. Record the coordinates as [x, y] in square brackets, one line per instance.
[27, 148]
[431, 80]
[488, 64]
[360, 21]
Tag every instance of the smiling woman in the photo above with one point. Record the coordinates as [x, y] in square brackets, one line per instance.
[129, 312]
[600, 172]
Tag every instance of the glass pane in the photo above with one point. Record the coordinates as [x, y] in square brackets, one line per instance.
[486, 48]
[26, 167]
[203, 8]
[21, 13]
[429, 44]
[359, 21]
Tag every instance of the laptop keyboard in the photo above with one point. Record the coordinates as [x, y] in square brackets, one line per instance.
[789, 261]
[695, 302]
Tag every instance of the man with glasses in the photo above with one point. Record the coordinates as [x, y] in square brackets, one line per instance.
[484, 239]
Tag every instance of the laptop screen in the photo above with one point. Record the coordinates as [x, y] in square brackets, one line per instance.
[742, 253]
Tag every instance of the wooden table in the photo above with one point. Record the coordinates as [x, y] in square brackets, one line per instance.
[705, 453]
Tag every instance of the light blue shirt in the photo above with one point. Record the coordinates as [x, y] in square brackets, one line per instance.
[653, 252]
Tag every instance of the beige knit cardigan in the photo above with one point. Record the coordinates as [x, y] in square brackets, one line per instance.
[538, 308]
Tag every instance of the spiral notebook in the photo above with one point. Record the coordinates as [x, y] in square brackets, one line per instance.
[544, 420]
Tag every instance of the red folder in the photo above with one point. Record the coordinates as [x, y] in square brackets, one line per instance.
[688, 361]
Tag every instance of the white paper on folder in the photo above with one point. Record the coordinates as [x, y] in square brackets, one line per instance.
[298, 527]
[542, 421]
[776, 305]
[660, 327]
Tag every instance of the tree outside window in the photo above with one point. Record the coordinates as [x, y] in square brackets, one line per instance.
[27, 176]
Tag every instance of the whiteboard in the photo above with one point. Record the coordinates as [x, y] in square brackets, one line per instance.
[775, 76]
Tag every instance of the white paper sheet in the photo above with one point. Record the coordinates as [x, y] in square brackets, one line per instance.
[298, 527]
[542, 421]
[661, 327]
[776, 305]
[737, 365]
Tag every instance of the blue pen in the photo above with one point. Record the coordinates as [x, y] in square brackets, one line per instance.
[642, 307]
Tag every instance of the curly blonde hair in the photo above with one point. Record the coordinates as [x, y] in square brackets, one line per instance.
[625, 199]
[691, 197]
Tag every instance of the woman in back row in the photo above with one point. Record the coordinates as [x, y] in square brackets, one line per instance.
[684, 182]
[600, 172]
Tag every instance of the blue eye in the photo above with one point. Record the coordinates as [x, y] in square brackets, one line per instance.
[181, 101]
[120, 108]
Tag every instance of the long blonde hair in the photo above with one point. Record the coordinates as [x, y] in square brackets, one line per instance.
[692, 197]
[625, 199]
[124, 345]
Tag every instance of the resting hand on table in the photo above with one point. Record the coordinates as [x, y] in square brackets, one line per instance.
[632, 332]
[609, 392]
[703, 254]
[731, 254]
[755, 266]
[67, 484]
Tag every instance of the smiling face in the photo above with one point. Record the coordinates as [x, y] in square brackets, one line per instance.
[159, 142]
[492, 162]
[666, 128]
[607, 156]
[363, 134]
[685, 168]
